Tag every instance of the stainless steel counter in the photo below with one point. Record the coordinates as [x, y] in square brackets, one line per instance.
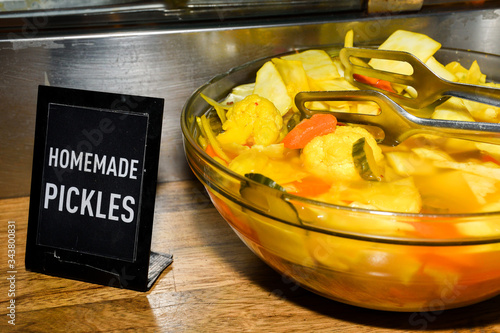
[171, 61]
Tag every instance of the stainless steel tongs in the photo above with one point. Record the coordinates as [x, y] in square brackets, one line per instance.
[429, 86]
[397, 123]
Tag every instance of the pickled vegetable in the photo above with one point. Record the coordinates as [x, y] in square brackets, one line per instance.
[364, 161]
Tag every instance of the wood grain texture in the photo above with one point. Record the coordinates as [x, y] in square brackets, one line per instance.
[214, 284]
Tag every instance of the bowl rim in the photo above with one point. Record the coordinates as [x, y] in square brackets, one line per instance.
[429, 217]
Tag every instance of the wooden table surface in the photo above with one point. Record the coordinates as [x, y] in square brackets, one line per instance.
[214, 284]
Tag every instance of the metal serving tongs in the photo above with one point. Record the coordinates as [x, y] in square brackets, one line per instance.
[429, 86]
[397, 123]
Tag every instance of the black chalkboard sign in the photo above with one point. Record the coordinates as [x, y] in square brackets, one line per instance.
[93, 187]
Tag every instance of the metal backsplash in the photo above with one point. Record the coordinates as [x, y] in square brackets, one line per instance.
[172, 62]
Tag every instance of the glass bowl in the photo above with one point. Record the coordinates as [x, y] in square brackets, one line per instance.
[356, 256]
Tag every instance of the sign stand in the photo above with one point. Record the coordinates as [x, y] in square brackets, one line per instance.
[93, 187]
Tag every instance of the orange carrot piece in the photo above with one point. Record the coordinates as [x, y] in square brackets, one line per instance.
[238, 221]
[310, 187]
[489, 158]
[377, 83]
[210, 151]
[319, 124]
[437, 230]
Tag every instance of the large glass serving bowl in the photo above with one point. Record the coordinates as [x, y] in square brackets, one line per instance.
[355, 256]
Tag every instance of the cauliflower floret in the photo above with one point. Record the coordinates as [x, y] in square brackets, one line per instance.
[330, 156]
[253, 120]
